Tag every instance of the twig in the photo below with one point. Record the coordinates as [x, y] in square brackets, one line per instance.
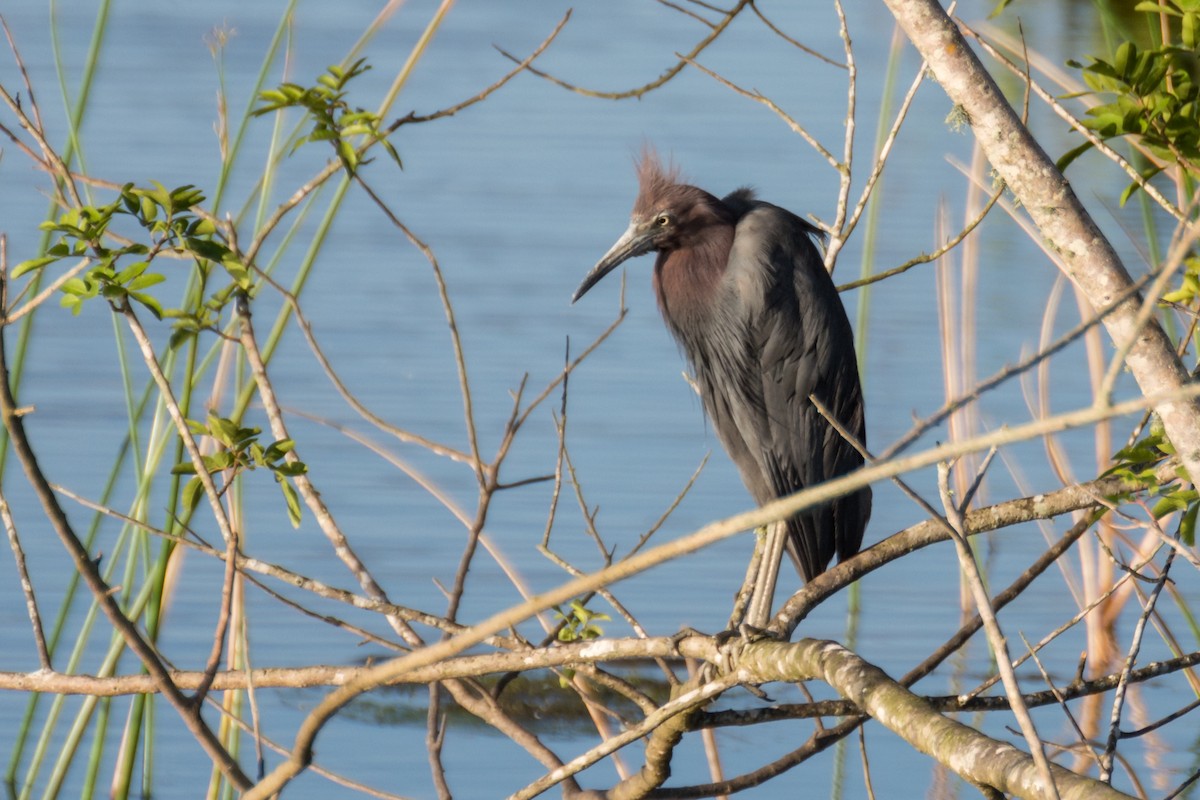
[843, 231]
[1180, 250]
[676, 709]
[448, 308]
[304, 486]
[104, 597]
[1003, 374]
[1061, 700]
[662, 79]
[435, 735]
[966, 560]
[1100, 145]
[31, 606]
[686, 12]
[709, 534]
[11, 316]
[838, 230]
[560, 427]
[793, 42]
[1010, 593]
[413, 117]
[1114, 730]
[35, 129]
[926, 258]
[224, 617]
[758, 97]
[349, 397]
[181, 426]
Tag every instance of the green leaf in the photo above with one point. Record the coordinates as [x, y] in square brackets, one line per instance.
[999, 9]
[1187, 525]
[218, 461]
[31, 265]
[151, 304]
[207, 249]
[149, 208]
[131, 272]
[79, 287]
[292, 499]
[192, 492]
[1066, 158]
[291, 469]
[1135, 186]
[277, 449]
[201, 227]
[144, 281]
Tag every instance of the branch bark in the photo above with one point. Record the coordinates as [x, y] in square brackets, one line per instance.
[977, 758]
[1033, 178]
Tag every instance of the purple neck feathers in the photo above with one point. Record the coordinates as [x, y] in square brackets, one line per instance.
[686, 277]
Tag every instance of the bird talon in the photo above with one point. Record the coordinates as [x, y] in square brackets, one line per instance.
[753, 634]
[684, 633]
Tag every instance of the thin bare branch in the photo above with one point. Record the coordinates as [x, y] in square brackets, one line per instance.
[661, 80]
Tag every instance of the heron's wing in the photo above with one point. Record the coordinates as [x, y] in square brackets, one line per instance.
[799, 344]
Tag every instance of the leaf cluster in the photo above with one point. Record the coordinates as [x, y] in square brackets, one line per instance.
[239, 450]
[334, 119]
[579, 622]
[1140, 462]
[1151, 93]
[173, 224]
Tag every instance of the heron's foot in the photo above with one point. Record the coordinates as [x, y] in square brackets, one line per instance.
[685, 633]
[754, 634]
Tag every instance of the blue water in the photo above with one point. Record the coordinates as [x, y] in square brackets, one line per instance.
[518, 197]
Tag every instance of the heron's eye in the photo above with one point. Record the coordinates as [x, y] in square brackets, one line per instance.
[663, 220]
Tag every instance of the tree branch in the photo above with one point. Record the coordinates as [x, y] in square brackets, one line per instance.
[1029, 172]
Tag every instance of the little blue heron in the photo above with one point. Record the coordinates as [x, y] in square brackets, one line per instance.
[743, 289]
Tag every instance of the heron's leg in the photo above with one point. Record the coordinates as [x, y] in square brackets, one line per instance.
[742, 601]
[761, 602]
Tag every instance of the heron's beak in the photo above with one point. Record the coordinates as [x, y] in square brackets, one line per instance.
[637, 240]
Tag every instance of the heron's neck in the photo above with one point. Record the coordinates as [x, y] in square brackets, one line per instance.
[686, 279]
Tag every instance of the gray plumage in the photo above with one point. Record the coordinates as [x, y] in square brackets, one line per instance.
[742, 287]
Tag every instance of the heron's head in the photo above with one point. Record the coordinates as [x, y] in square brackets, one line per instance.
[666, 215]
